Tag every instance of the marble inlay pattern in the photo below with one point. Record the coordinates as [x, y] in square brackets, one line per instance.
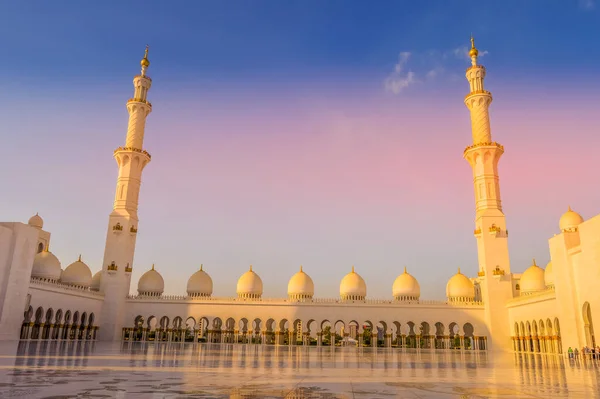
[148, 370]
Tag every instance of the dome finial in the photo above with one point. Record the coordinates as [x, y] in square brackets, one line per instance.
[153, 266]
[352, 268]
[534, 262]
[201, 265]
[79, 259]
[570, 210]
[405, 272]
[47, 247]
[459, 270]
[250, 267]
[301, 268]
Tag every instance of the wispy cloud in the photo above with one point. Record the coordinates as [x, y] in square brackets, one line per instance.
[427, 66]
[587, 4]
[399, 79]
[463, 52]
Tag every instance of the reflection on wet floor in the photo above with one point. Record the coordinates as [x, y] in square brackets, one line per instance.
[146, 370]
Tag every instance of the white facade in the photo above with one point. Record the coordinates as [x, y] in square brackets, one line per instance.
[538, 310]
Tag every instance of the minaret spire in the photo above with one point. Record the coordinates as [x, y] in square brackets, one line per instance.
[473, 53]
[123, 220]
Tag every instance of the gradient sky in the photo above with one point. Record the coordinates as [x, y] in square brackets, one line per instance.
[325, 134]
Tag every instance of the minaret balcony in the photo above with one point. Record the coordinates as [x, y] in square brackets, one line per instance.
[142, 76]
[490, 144]
[497, 231]
[112, 268]
[139, 100]
[476, 92]
[133, 149]
[498, 273]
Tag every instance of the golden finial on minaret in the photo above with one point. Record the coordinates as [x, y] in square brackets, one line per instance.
[473, 52]
[145, 62]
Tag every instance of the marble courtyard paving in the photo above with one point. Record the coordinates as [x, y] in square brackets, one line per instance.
[148, 370]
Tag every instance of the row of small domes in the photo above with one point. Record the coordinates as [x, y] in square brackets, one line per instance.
[301, 286]
[47, 266]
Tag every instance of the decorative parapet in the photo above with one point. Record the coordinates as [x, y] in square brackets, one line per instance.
[128, 269]
[112, 266]
[134, 150]
[117, 227]
[481, 273]
[64, 287]
[390, 302]
[498, 272]
[497, 231]
[132, 230]
[139, 100]
[485, 144]
[477, 232]
[538, 296]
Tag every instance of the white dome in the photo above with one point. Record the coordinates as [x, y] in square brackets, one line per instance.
[95, 286]
[570, 220]
[353, 286]
[200, 284]
[406, 287]
[250, 285]
[301, 286]
[549, 275]
[36, 221]
[77, 273]
[532, 280]
[151, 283]
[460, 288]
[46, 265]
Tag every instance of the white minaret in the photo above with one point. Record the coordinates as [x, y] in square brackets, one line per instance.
[123, 220]
[490, 223]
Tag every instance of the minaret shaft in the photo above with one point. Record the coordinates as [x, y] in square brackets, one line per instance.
[123, 220]
[490, 223]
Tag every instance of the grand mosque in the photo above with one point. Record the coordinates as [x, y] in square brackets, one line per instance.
[541, 310]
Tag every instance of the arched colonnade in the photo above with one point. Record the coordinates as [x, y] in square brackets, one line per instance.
[537, 336]
[58, 325]
[419, 335]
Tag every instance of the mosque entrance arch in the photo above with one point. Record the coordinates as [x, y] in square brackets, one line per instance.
[588, 325]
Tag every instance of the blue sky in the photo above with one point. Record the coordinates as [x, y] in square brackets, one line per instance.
[275, 141]
[237, 40]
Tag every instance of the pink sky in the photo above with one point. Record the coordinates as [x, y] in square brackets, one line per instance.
[325, 180]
